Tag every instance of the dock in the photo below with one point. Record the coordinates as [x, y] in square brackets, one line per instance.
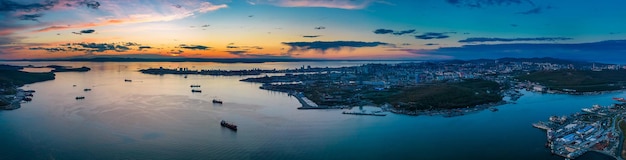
[307, 103]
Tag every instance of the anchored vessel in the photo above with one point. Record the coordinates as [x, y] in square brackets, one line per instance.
[228, 125]
[196, 90]
[80, 97]
[217, 101]
[363, 113]
[194, 85]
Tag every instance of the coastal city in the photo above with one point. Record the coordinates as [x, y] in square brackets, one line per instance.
[433, 88]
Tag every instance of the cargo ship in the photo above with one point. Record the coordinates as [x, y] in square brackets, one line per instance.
[194, 85]
[217, 101]
[196, 90]
[363, 113]
[619, 99]
[228, 125]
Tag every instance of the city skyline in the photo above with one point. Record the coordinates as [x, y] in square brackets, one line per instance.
[321, 29]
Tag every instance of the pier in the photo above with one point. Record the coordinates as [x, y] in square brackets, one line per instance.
[307, 103]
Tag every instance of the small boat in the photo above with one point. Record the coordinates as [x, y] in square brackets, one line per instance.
[194, 85]
[228, 125]
[217, 101]
[196, 90]
[87, 89]
[80, 97]
[128, 80]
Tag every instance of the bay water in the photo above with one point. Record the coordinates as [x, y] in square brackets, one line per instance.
[158, 117]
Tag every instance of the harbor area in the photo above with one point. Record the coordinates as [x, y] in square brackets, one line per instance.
[593, 129]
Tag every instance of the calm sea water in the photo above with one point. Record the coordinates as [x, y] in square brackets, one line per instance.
[158, 117]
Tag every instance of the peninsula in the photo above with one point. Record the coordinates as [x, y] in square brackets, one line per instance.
[11, 79]
[446, 88]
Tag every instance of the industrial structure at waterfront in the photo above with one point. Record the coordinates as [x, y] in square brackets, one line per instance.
[594, 129]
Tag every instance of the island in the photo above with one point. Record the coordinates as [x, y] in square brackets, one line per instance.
[11, 78]
[57, 68]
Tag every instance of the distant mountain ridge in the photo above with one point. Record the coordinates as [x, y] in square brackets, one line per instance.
[534, 60]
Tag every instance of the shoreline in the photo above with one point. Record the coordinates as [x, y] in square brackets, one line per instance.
[388, 108]
[16, 102]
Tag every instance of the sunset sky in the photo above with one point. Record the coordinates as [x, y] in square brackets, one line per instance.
[324, 29]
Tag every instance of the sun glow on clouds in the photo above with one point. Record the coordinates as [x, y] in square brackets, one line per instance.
[123, 13]
[325, 29]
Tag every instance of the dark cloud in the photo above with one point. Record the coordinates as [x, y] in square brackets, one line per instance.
[206, 25]
[177, 6]
[30, 17]
[483, 3]
[131, 44]
[389, 31]
[406, 44]
[383, 31]
[485, 39]
[193, 47]
[514, 25]
[431, 44]
[31, 11]
[89, 4]
[120, 48]
[233, 46]
[11, 6]
[536, 10]
[323, 46]
[311, 36]
[433, 35]
[611, 51]
[404, 32]
[90, 48]
[239, 53]
[87, 31]
[176, 52]
[52, 49]
[144, 47]
[320, 27]
[102, 47]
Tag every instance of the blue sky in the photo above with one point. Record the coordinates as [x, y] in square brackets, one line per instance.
[326, 29]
